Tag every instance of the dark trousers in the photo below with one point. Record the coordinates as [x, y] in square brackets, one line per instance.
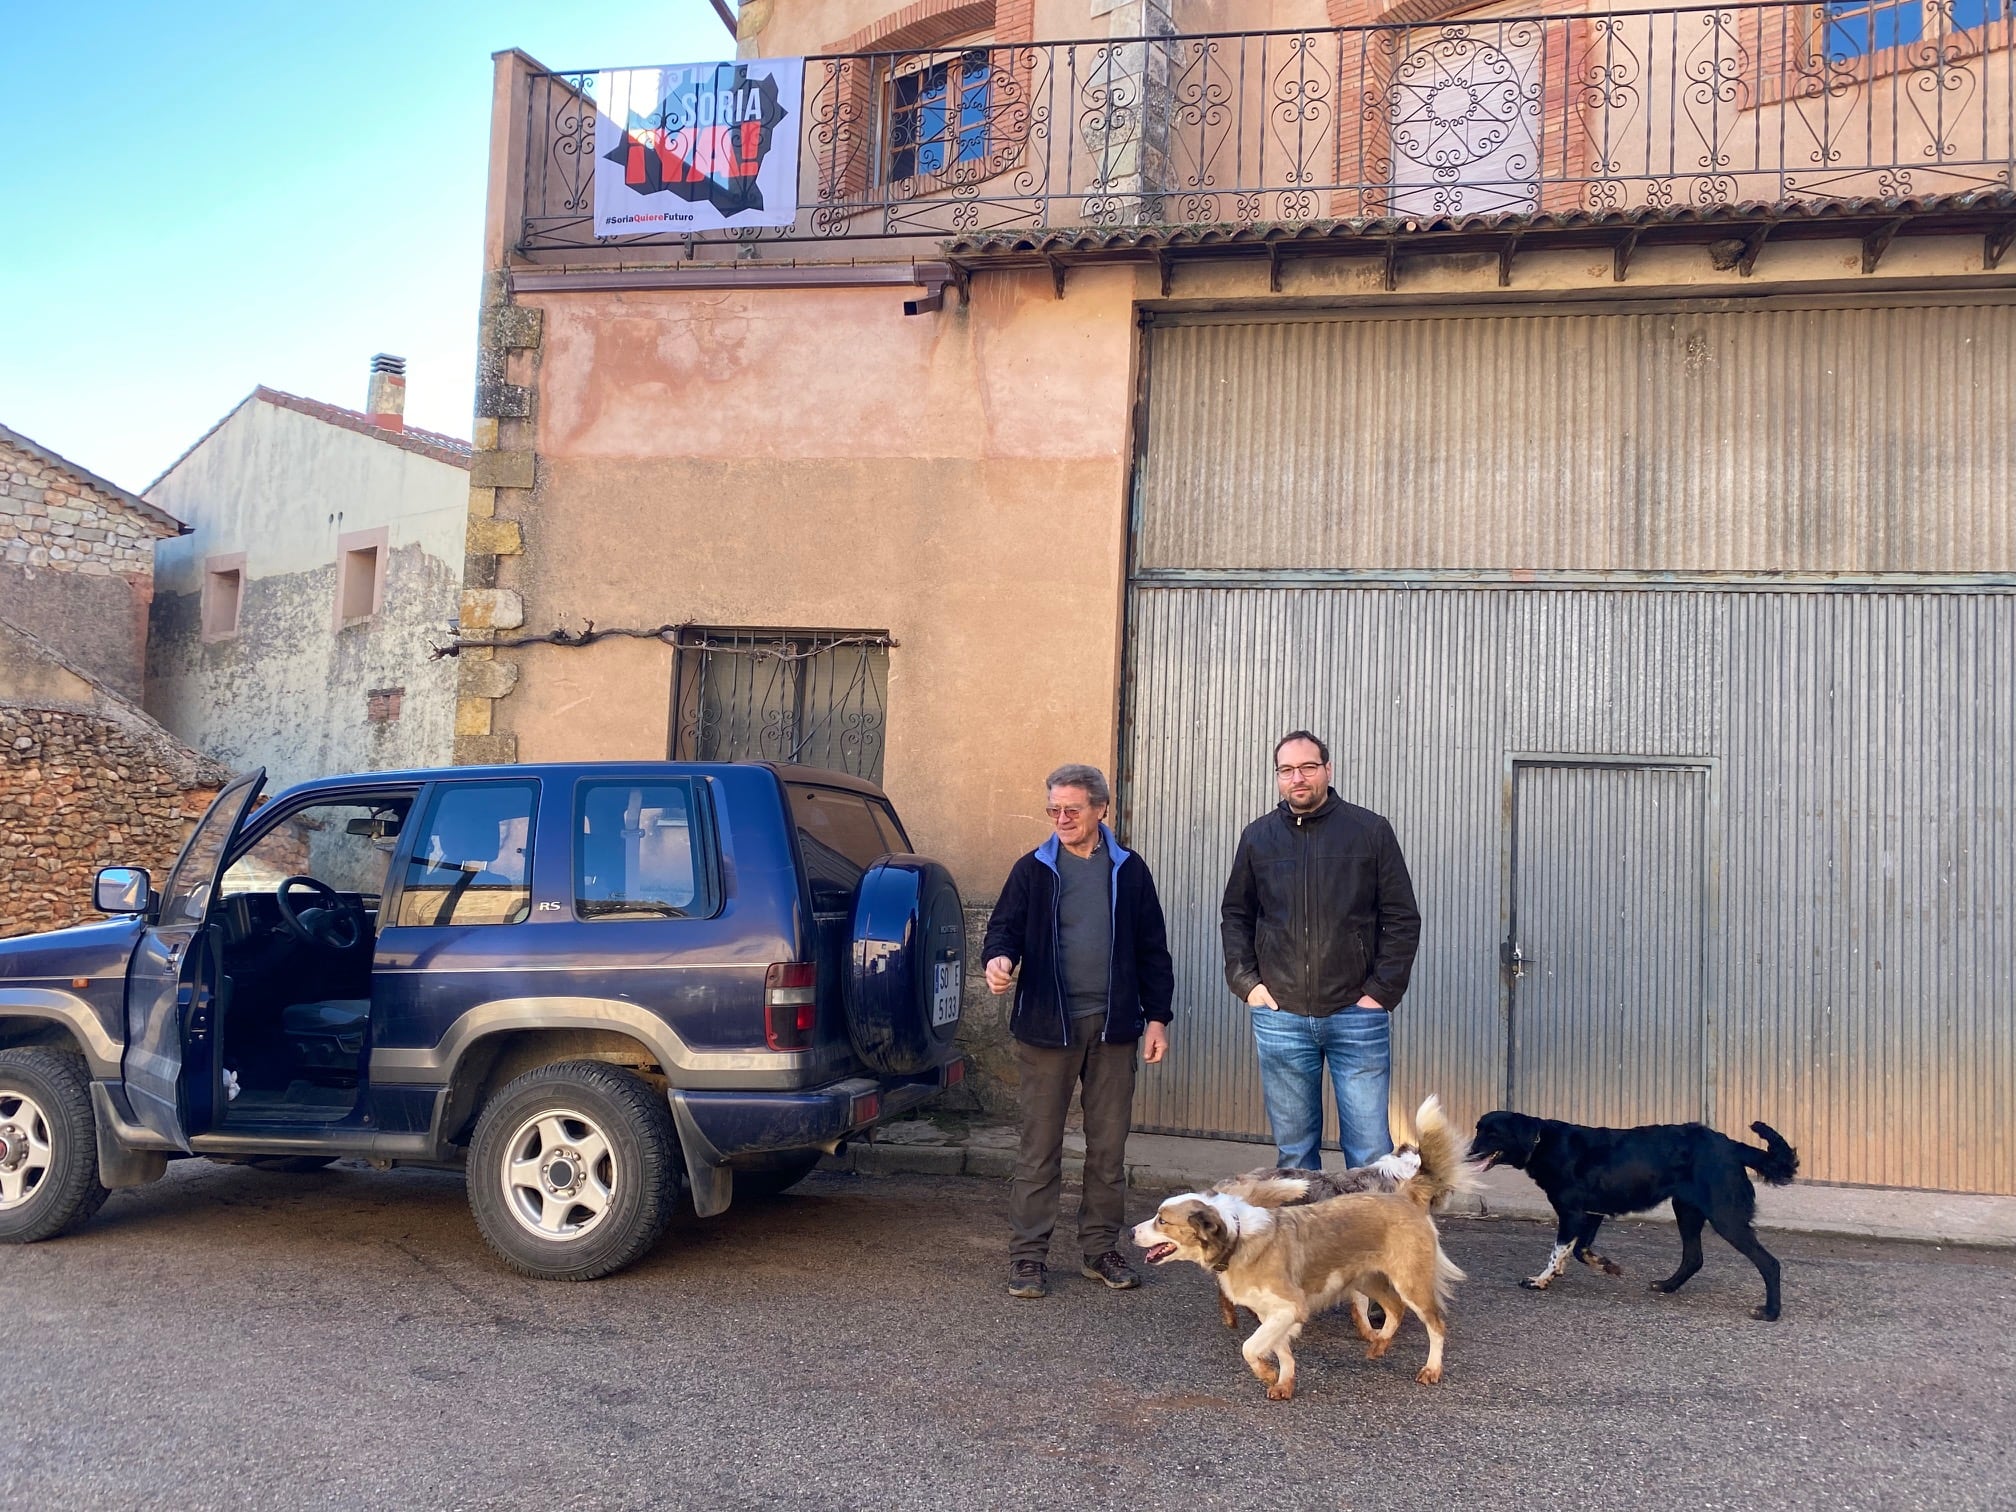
[1105, 1075]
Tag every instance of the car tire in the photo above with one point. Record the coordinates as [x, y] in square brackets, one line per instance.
[573, 1171]
[48, 1146]
[758, 1185]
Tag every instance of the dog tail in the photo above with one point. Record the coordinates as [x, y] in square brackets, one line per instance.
[1444, 1169]
[1777, 1162]
[1447, 1274]
[1266, 1189]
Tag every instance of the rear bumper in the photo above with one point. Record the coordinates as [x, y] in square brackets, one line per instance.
[717, 1127]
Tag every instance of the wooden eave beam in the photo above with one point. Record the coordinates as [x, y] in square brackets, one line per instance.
[1877, 242]
[1620, 255]
[1995, 244]
[1505, 255]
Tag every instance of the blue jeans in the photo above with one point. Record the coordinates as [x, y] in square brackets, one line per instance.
[1358, 1043]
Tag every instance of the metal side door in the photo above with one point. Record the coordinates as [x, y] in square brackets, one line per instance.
[1608, 947]
[170, 1014]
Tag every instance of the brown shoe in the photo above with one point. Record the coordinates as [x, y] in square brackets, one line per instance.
[1028, 1278]
[1113, 1269]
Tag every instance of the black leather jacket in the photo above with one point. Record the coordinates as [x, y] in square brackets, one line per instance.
[1320, 908]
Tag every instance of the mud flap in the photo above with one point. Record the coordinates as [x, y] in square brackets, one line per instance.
[120, 1166]
[707, 1175]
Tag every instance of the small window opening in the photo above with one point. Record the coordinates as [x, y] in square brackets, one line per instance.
[223, 595]
[381, 705]
[358, 592]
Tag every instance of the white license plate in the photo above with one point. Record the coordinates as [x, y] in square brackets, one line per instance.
[945, 1001]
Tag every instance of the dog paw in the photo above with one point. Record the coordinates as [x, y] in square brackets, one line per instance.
[1429, 1375]
[1281, 1391]
[1266, 1372]
[1532, 1285]
[1764, 1314]
[1612, 1268]
[1377, 1347]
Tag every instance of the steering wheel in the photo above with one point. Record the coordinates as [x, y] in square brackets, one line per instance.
[331, 923]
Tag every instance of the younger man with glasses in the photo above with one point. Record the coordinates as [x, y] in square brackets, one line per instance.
[1079, 915]
[1320, 930]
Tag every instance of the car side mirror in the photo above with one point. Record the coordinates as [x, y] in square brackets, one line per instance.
[123, 890]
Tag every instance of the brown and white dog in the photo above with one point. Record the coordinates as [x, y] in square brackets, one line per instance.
[1284, 1186]
[1288, 1264]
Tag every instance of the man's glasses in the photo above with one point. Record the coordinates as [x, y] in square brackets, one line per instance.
[1063, 813]
[1307, 769]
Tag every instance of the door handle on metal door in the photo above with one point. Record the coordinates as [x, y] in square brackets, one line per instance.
[1512, 957]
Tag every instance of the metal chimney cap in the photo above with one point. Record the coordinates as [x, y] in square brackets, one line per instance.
[385, 362]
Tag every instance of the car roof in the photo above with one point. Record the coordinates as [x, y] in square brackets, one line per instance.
[814, 776]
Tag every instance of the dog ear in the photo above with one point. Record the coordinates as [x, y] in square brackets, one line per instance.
[1213, 1234]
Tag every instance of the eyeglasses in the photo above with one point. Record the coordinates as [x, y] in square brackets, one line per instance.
[1064, 813]
[1307, 769]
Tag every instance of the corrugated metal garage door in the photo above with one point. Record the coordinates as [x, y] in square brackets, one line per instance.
[1849, 748]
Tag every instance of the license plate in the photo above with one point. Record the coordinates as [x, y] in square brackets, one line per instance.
[945, 1001]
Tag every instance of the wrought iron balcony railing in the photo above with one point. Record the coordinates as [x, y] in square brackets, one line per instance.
[1627, 110]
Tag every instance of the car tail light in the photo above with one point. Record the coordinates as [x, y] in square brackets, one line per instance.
[865, 1108]
[955, 1073]
[790, 1008]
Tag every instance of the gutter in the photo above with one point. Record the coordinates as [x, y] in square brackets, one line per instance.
[931, 276]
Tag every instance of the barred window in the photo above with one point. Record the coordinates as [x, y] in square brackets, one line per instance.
[939, 114]
[806, 698]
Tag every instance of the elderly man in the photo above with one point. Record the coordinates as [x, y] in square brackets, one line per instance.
[1080, 917]
[1320, 929]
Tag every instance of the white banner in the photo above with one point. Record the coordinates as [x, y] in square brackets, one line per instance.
[697, 146]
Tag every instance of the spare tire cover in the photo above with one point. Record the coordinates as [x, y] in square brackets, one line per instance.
[907, 965]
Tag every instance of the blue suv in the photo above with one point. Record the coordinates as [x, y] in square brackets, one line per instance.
[602, 989]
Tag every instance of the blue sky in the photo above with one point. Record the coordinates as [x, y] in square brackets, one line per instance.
[200, 196]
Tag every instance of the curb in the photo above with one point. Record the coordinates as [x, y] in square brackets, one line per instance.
[1173, 1164]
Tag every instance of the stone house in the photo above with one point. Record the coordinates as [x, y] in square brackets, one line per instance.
[86, 778]
[295, 623]
[77, 561]
[1596, 421]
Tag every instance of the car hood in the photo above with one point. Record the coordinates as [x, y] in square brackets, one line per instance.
[90, 950]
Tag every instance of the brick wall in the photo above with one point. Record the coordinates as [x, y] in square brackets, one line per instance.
[80, 790]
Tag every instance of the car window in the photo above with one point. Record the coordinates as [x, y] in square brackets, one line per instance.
[634, 851]
[839, 839]
[471, 857]
[892, 832]
[348, 845]
[186, 898]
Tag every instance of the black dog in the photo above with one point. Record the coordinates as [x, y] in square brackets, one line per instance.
[1593, 1174]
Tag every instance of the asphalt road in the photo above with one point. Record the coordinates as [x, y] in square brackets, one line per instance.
[229, 1338]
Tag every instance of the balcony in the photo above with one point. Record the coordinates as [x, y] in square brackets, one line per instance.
[1722, 122]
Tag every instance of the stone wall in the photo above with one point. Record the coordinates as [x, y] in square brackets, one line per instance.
[76, 566]
[79, 790]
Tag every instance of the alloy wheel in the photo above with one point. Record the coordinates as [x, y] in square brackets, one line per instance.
[25, 1149]
[559, 1174]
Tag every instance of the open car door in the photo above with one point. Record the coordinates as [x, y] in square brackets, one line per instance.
[170, 1011]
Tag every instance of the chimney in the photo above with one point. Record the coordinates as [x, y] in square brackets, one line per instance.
[385, 402]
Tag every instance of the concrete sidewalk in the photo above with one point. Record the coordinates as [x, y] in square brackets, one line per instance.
[1171, 1163]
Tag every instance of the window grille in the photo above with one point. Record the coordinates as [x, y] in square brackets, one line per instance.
[807, 698]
